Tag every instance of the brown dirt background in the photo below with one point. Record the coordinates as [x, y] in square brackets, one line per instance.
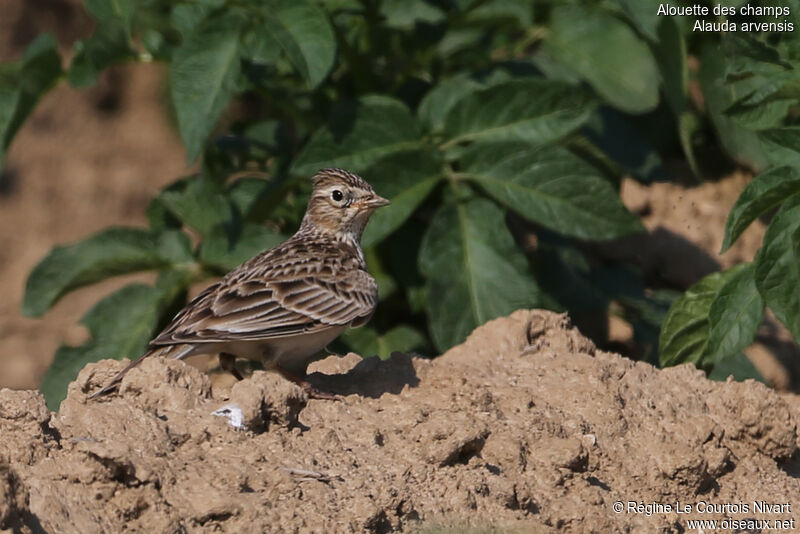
[525, 427]
[536, 439]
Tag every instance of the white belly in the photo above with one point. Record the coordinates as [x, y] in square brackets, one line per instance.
[292, 353]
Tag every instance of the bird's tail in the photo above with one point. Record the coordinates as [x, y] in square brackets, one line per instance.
[180, 352]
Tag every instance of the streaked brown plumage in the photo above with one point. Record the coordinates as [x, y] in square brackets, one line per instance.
[286, 304]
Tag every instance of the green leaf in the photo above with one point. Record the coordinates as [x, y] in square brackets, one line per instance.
[762, 116]
[120, 326]
[608, 54]
[225, 249]
[670, 52]
[108, 253]
[22, 83]
[107, 46]
[474, 271]
[735, 315]
[186, 18]
[782, 145]
[685, 331]
[199, 202]
[778, 265]
[404, 14]
[551, 186]
[741, 144]
[301, 29]
[534, 110]
[437, 102]
[739, 366]
[405, 178]
[203, 78]
[368, 342]
[644, 14]
[358, 134]
[762, 194]
[113, 12]
[159, 217]
[671, 55]
[489, 11]
[175, 247]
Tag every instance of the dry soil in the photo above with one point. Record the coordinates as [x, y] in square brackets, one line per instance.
[525, 427]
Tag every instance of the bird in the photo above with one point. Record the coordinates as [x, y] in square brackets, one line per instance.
[283, 306]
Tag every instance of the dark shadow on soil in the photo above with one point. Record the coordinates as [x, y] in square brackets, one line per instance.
[371, 377]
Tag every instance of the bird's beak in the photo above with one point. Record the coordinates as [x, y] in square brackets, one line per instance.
[375, 201]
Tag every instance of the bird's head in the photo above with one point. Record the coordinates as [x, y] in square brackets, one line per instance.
[341, 203]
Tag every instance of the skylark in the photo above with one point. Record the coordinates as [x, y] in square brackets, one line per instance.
[285, 305]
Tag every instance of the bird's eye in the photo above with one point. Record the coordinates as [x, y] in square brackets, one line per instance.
[337, 195]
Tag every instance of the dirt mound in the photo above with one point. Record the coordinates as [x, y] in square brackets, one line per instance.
[525, 427]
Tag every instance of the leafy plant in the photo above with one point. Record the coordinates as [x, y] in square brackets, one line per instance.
[753, 94]
[484, 121]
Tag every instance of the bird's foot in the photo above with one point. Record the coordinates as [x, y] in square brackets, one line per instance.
[227, 362]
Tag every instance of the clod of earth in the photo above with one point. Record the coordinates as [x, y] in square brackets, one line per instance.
[525, 426]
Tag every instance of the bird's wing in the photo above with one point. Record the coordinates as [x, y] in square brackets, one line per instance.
[276, 299]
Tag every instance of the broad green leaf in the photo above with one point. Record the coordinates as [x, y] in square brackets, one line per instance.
[762, 116]
[782, 145]
[438, 101]
[175, 247]
[186, 18]
[199, 202]
[301, 29]
[474, 271]
[735, 315]
[120, 326]
[225, 249]
[203, 79]
[404, 14]
[551, 186]
[738, 366]
[644, 14]
[519, 12]
[159, 217]
[761, 89]
[741, 144]
[108, 253]
[685, 331]
[671, 55]
[670, 52]
[367, 342]
[763, 193]
[534, 110]
[22, 83]
[778, 265]
[260, 47]
[608, 54]
[748, 54]
[358, 134]
[113, 12]
[405, 178]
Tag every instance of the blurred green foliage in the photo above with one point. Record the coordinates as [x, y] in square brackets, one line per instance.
[484, 121]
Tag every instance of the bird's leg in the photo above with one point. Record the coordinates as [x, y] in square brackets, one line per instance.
[227, 362]
[311, 391]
